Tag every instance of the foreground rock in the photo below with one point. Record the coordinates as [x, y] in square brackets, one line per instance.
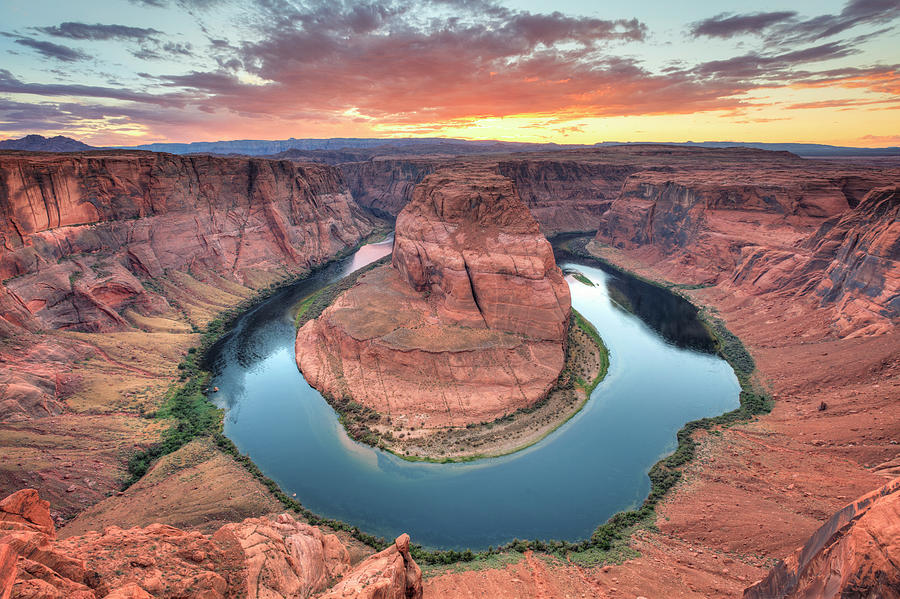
[855, 554]
[390, 574]
[466, 325]
[259, 558]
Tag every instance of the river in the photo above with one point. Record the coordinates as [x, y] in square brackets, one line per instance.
[662, 374]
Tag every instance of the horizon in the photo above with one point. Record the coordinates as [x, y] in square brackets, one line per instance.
[739, 143]
[180, 71]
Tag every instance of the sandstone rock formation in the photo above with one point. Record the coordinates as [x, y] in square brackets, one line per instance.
[571, 190]
[469, 322]
[390, 574]
[259, 558]
[80, 232]
[386, 185]
[116, 242]
[856, 553]
[851, 265]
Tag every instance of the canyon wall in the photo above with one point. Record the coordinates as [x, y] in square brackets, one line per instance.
[80, 233]
[563, 195]
[111, 263]
[566, 195]
[850, 265]
[572, 190]
[469, 322]
[385, 185]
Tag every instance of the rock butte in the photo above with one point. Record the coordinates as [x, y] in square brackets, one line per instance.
[467, 324]
[258, 558]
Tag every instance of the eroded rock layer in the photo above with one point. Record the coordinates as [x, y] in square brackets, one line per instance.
[467, 324]
[110, 264]
[258, 558]
[851, 265]
[80, 233]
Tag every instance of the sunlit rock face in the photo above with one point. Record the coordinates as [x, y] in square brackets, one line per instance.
[468, 322]
[854, 554]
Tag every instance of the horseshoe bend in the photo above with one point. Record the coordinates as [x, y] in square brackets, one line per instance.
[468, 323]
[450, 348]
[455, 308]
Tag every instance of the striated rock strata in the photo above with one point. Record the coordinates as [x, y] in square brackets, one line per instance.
[81, 232]
[259, 558]
[466, 325]
[110, 262]
[856, 553]
[851, 264]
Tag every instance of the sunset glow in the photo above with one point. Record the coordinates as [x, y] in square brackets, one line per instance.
[141, 71]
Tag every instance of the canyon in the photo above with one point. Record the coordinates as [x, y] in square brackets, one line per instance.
[473, 298]
[112, 261]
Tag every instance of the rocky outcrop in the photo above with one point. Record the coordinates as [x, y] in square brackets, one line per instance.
[390, 574]
[850, 265]
[259, 558]
[25, 510]
[473, 298]
[856, 553]
[286, 558]
[471, 244]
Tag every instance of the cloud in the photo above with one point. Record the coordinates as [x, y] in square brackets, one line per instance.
[785, 27]
[12, 85]
[725, 25]
[855, 12]
[51, 50]
[405, 66]
[97, 31]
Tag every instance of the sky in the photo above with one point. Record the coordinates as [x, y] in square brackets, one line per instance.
[125, 72]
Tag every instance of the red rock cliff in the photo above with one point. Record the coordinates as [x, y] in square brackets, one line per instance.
[851, 265]
[855, 554]
[79, 232]
[467, 325]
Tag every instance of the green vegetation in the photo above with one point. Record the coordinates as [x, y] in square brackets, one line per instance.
[583, 279]
[582, 323]
[488, 560]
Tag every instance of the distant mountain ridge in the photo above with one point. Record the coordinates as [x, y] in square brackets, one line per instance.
[340, 149]
[437, 145]
[39, 143]
[801, 149]
[259, 147]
